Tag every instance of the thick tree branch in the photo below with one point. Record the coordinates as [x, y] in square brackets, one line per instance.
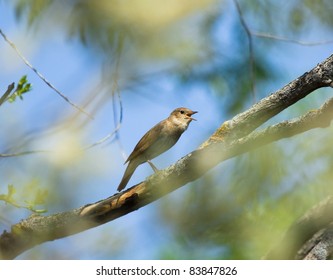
[244, 123]
[310, 237]
[320, 247]
[231, 139]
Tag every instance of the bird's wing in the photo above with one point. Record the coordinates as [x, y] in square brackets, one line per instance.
[146, 141]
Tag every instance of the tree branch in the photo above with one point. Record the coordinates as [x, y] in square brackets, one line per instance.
[234, 137]
[290, 40]
[320, 247]
[310, 237]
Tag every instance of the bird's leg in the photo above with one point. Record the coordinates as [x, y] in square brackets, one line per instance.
[152, 166]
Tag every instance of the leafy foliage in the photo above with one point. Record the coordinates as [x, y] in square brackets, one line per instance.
[38, 198]
[22, 87]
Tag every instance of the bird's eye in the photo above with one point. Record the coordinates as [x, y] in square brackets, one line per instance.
[182, 111]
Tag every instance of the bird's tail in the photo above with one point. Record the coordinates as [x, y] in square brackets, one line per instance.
[132, 165]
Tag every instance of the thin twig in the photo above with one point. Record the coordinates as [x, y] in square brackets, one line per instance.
[41, 76]
[288, 40]
[251, 52]
[23, 153]
[7, 93]
[115, 92]
[104, 139]
[28, 207]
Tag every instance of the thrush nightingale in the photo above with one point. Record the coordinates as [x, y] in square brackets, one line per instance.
[157, 140]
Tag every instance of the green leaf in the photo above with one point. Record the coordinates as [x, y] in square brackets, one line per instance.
[39, 198]
[22, 87]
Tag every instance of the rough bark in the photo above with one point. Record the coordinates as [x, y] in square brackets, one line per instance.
[310, 237]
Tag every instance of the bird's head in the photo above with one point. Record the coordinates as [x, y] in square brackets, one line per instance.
[182, 115]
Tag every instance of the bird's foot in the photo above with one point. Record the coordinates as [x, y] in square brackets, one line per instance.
[152, 166]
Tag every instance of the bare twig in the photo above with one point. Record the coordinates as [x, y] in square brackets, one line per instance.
[115, 90]
[115, 93]
[28, 207]
[250, 34]
[22, 153]
[7, 93]
[104, 139]
[251, 52]
[42, 77]
[288, 40]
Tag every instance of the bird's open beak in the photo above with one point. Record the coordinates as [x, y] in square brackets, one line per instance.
[190, 115]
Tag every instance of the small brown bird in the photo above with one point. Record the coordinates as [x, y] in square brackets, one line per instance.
[157, 140]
